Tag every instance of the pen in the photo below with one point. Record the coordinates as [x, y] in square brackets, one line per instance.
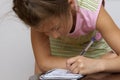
[88, 46]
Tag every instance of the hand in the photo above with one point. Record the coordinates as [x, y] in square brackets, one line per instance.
[83, 65]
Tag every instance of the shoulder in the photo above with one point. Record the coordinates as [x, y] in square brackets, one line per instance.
[103, 15]
[89, 11]
[92, 5]
[104, 21]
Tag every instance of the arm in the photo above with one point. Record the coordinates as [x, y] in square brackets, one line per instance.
[109, 30]
[111, 33]
[42, 53]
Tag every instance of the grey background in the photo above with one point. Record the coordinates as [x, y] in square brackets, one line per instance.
[16, 56]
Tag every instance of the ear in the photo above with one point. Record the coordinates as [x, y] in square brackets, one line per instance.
[72, 3]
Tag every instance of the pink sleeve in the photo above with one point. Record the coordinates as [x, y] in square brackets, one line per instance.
[90, 18]
[88, 11]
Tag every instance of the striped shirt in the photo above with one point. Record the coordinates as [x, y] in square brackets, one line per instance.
[84, 30]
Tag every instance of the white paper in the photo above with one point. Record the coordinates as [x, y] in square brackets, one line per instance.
[60, 74]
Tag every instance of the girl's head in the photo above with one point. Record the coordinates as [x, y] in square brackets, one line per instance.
[45, 14]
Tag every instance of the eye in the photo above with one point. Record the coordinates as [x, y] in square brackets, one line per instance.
[56, 28]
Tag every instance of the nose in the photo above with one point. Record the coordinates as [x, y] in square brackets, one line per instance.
[55, 35]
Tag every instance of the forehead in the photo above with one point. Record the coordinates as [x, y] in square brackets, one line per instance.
[49, 21]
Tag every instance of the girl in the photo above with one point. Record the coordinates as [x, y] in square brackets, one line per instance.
[60, 29]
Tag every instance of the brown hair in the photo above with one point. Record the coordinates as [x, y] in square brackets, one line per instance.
[32, 12]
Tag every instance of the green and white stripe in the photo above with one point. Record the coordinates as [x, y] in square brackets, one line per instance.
[89, 4]
[69, 47]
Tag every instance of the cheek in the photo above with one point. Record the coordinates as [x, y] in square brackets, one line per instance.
[65, 30]
[48, 34]
[69, 25]
[66, 26]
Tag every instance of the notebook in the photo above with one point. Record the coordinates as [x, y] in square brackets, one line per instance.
[60, 74]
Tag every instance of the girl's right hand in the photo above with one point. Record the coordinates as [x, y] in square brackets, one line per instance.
[84, 65]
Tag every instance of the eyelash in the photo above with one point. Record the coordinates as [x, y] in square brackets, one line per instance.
[55, 28]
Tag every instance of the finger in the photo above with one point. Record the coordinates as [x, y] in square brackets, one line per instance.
[73, 66]
[75, 69]
[72, 60]
[81, 68]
